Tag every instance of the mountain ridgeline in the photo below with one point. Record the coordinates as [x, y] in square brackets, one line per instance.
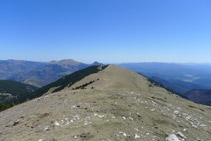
[38, 73]
[12, 92]
[68, 81]
[49, 73]
[105, 103]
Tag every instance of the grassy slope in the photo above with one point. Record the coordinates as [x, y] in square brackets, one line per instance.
[122, 105]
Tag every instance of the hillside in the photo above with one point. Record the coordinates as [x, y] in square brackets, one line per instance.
[9, 68]
[14, 92]
[200, 96]
[68, 81]
[178, 86]
[109, 103]
[49, 73]
[187, 76]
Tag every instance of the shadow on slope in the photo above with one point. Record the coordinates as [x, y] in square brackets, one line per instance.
[68, 80]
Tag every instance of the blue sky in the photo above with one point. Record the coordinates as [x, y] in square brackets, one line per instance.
[109, 31]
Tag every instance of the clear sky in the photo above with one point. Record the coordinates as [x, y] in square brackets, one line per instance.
[106, 30]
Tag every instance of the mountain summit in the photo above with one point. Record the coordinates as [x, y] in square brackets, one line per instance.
[106, 103]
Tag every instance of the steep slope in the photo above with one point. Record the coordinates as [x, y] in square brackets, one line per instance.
[200, 96]
[49, 73]
[14, 92]
[110, 104]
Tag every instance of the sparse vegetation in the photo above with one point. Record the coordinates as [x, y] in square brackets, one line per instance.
[84, 85]
[69, 80]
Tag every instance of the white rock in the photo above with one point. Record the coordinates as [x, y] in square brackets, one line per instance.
[101, 116]
[136, 129]
[75, 137]
[181, 135]
[203, 125]
[137, 136]
[130, 118]
[46, 128]
[176, 112]
[86, 123]
[172, 137]
[56, 123]
[73, 107]
[124, 134]
[153, 110]
[194, 126]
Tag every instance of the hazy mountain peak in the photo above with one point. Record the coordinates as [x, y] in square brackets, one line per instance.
[97, 63]
[66, 62]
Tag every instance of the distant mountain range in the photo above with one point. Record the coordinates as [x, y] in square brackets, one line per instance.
[38, 73]
[9, 68]
[180, 77]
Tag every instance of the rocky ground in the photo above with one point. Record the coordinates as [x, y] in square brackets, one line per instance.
[105, 115]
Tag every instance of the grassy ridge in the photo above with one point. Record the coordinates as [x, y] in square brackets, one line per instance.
[68, 80]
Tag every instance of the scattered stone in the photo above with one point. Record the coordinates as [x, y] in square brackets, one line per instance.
[172, 137]
[153, 109]
[137, 136]
[124, 134]
[176, 112]
[73, 107]
[16, 122]
[46, 128]
[130, 118]
[194, 126]
[136, 129]
[203, 125]
[56, 123]
[181, 135]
